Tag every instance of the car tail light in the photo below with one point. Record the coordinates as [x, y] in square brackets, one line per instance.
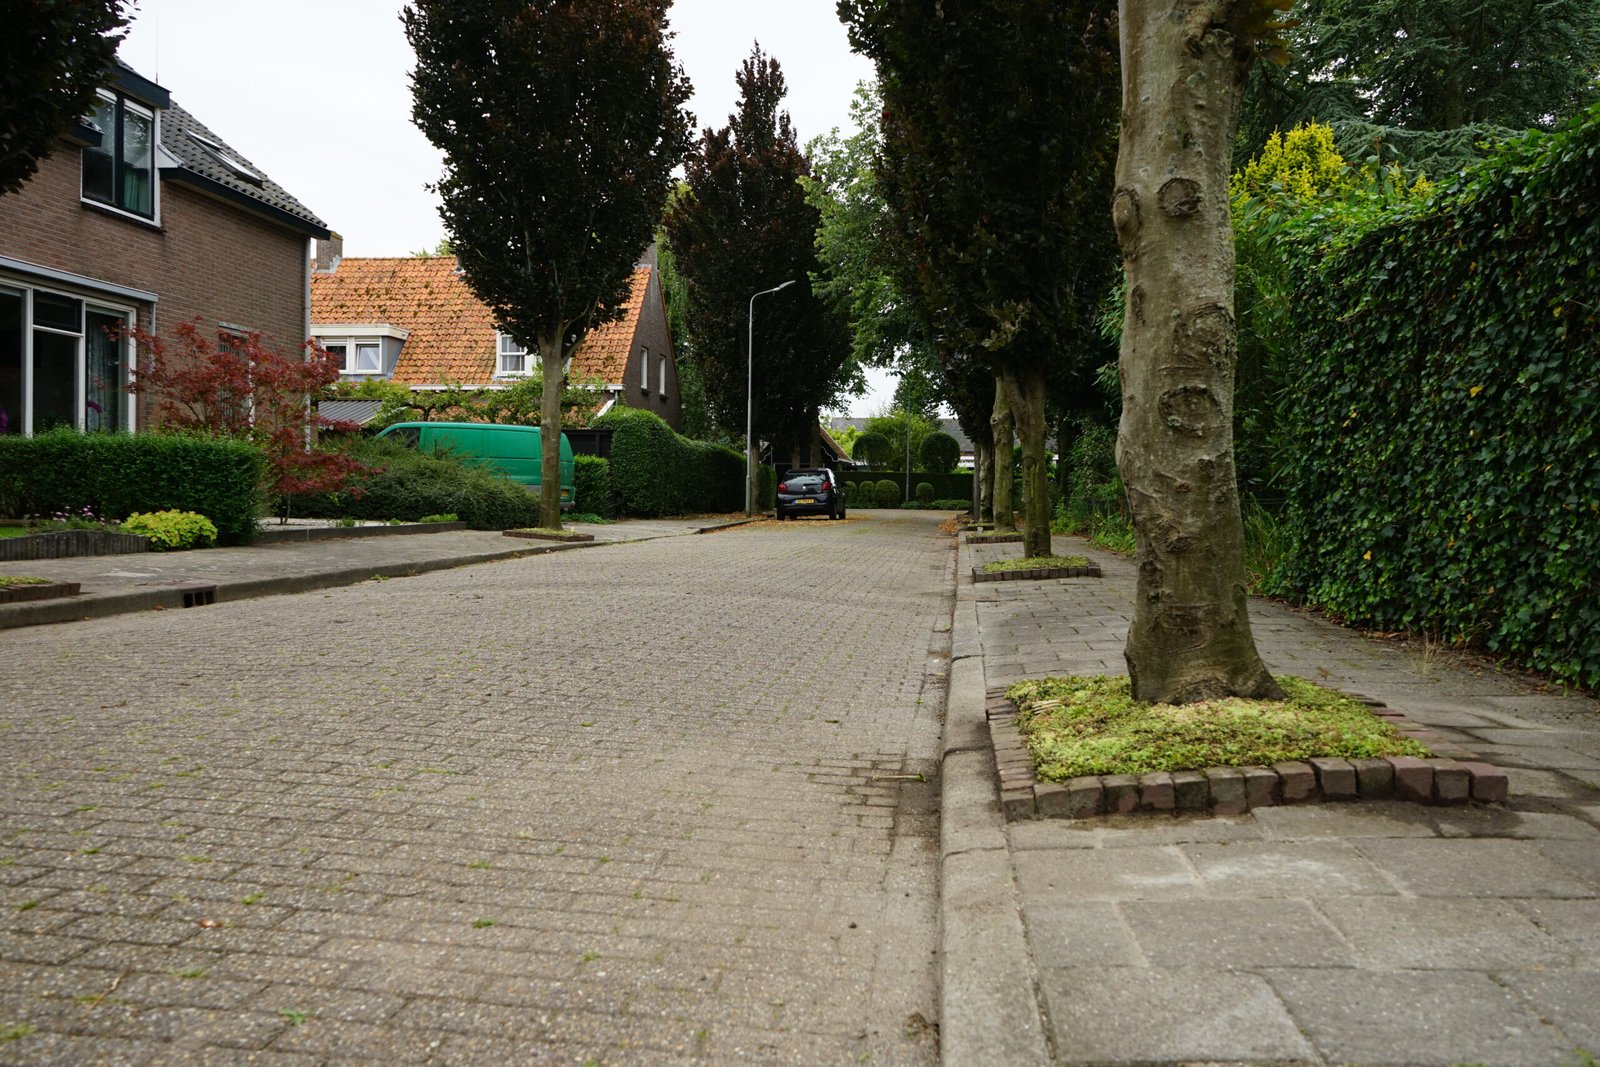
[783, 487]
[827, 487]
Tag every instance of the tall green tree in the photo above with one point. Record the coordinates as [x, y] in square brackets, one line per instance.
[1183, 72]
[54, 55]
[998, 132]
[560, 122]
[1426, 80]
[745, 226]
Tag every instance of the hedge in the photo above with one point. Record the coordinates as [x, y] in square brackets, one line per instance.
[408, 484]
[1442, 466]
[116, 475]
[945, 486]
[655, 471]
[592, 487]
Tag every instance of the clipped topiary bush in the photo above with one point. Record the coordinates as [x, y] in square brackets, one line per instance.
[886, 494]
[170, 531]
[655, 471]
[924, 493]
[592, 487]
[116, 475]
[939, 453]
[870, 447]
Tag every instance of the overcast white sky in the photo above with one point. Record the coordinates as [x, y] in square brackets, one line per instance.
[316, 93]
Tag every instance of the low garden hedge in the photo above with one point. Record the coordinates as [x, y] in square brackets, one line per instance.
[656, 471]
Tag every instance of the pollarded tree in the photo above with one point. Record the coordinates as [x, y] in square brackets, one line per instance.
[560, 122]
[1183, 72]
[998, 126]
[56, 54]
[744, 226]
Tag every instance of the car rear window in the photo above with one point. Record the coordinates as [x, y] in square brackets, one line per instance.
[808, 480]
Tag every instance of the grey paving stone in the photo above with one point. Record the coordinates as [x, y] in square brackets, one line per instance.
[1566, 999]
[1067, 933]
[1153, 873]
[1501, 822]
[1366, 819]
[1235, 934]
[1136, 1015]
[1482, 867]
[1416, 1017]
[1443, 933]
[1287, 869]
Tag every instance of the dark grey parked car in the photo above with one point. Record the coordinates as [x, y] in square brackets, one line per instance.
[810, 491]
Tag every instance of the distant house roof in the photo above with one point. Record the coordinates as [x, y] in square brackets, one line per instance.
[452, 333]
[949, 426]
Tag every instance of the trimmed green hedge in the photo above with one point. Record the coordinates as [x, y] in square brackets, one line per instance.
[655, 471]
[939, 453]
[1442, 428]
[408, 484]
[945, 486]
[591, 491]
[119, 474]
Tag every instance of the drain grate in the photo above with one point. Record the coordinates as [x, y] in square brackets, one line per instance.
[199, 598]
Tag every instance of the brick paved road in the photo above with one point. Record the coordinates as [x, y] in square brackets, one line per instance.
[633, 804]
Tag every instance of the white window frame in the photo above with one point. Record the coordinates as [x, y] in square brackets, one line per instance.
[663, 375]
[154, 115]
[87, 304]
[644, 369]
[506, 347]
[350, 365]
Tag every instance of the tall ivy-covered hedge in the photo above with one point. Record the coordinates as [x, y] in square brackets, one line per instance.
[1442, 432]
[655, 471]
[116, 475]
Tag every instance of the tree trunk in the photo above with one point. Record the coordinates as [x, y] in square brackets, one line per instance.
[1183, 74]
[1025, 392]
[814, 431]
[550, 358]
[1000, 422]
[983, 473]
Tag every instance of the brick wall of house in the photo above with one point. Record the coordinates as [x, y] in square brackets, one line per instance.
[207, 258]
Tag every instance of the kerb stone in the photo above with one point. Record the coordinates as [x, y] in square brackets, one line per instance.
[1489, 784]
[1190, 790]
[1260, 787]
[1335, 777]
[1122, 794]
[1085, 797]
[1227, 789]
[1452, 783]
[1297, 782]
[1374, 778]
[1413, 779]
[1155, 792]
[1051, 800]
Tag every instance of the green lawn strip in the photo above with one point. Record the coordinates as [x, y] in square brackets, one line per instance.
[22, 579]
[16, 531]
[1034, 561]
[1092, 725]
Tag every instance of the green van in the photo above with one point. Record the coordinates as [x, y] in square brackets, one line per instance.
[512, 451]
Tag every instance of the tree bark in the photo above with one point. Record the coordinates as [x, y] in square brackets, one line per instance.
[1025, 392]
[1000, 422]
[983, 479]
[1183, 73]
[550, 358]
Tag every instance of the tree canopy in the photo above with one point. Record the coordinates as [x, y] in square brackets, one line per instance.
[55, 54]
[744, 226]
[560, 122]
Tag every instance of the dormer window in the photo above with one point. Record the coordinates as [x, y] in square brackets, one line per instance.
[513, 357]
[120, 171]
[357, 355]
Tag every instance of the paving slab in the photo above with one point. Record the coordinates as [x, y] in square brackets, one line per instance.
[1235, 934]
[1431, 1017]
[1488, 867]
[1443, 933]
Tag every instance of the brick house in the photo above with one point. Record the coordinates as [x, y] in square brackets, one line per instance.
[141, 216]
[414, 321]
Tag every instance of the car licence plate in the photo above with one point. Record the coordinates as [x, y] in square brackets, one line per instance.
[806, 500]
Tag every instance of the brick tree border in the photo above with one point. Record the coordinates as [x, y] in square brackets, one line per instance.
[18, 594]
[1035, 573]
[1454, 776]
[569, 536]
[978, 537]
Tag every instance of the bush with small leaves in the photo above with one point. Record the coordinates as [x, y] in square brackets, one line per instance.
[924, 493]
[886, 494]
[939, 452]
[170, 531]
[871, 447]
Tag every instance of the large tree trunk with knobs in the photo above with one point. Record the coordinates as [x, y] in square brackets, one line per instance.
[1183, 71]
[1003, 426]
[1025, 391]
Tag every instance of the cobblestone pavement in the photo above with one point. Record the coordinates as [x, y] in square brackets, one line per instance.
[650, 803]
[1373, 933]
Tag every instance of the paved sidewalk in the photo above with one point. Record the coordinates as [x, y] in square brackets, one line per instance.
[1349, 934]
[145, 581]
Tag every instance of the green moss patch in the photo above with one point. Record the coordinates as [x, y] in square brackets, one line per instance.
[1092, 725]
[544, 533]
[1033, 562]
[19, 579]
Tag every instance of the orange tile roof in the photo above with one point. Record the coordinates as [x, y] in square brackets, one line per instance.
[452, 333]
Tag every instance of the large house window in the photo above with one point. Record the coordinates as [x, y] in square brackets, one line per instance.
[121, 171]
[357, 355]
[63, 362]
[513, 356]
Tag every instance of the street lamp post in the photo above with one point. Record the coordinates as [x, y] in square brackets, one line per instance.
[750, 405]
